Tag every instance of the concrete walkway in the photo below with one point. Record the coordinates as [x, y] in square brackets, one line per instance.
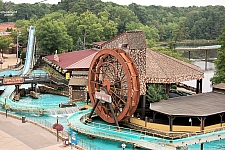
[15, 135]
[9, 60]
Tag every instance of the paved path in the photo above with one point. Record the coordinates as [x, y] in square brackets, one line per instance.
[10, 59]
[15, 135]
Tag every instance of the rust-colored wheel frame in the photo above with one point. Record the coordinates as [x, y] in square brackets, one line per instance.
[113, 71]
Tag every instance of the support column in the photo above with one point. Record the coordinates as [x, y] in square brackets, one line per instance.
[114, 116]
[201, 146]
[35, 87]
[17, 96]
[167, 89]
[171, 118]
[200, 82]
[17, 89]
[202, 123]
[221, 119]
[143, 103]
[32, 86]
[197, 87]
[206, 59]
[154, 114]
[93, 109]
[189, 55]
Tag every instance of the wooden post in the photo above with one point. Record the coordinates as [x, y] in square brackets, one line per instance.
[57, 132]
[197, 87]
[200, 89]
[167, 89]
[6, 113]
[202, 123]
[221, 119]
[201, 146]
[206, 59]
[143, 100]
[189, 55]
[171, 118]
[154, 114]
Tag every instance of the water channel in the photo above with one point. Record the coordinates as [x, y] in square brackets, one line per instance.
[95, 143]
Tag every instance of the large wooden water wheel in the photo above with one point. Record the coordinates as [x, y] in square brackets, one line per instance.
[113, 73]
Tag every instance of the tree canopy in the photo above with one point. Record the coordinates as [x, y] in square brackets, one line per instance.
[219, 75]
[94, 20]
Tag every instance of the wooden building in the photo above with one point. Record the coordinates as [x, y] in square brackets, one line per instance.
[153, 66]
[74, 67]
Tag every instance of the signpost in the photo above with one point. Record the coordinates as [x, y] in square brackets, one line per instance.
[104, 97]
[13, 80]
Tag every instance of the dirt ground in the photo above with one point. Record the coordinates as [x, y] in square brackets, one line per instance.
[8, 60]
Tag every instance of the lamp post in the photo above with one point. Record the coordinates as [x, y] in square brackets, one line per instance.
[57, 132]
[5, 108]
[17, 44]
[17, 48]
[123, 146]
[190, 120]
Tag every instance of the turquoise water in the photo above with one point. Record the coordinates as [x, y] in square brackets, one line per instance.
[45, 100]
[215, 145]
[49, 101]
[37, 71]
[8, 72]
[84, 140]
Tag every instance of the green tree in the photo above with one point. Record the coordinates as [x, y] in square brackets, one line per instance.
[180, 33]
[4, 43]
[219, 75]
[52, 35]
[109, 26]
[155, 93]
[80, 44]
[22, 29]
[90, 28]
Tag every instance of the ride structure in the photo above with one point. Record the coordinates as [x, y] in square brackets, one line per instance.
[28, 65]
[114, 86]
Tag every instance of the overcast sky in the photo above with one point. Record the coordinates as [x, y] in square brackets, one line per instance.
[178, 3]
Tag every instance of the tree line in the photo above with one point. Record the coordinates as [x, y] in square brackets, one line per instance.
[166, 23]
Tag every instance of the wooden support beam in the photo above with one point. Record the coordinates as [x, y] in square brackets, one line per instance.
[171, 118]
[189, 55]
[221, 119]
[154, 114]
[201, 146]
[200, 89]
[202, 123]
[167, 89]
[143, 103]
[206, 59]
[197, 87]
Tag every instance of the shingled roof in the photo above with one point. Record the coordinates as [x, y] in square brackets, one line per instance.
[204, 104]
[134, 39]
[70, 58]
[161, 68]
[83, 63]
[4, 26]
